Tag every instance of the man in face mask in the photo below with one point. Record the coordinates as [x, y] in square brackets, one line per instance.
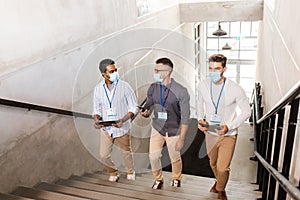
[114, 100]
[218, 99]
[169, 102]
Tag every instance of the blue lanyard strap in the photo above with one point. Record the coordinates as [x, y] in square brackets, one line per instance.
[211, 97]
[110, 101]
[162, 103]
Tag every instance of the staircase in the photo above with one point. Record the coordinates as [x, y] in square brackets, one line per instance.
[96, 186]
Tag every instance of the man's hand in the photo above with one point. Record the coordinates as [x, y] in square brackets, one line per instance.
[144, 113]
[96, 119]
[179, 144]
[119, 123]
[202, 128]
[223, 131]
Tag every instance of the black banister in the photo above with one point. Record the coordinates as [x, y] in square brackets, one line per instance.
[268, 142]
[291, 94]
[30, 106]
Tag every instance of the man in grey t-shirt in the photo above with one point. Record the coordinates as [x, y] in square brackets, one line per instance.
[169, 102]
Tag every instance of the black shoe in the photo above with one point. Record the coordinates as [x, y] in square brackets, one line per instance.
[176, 183]
[158, 185]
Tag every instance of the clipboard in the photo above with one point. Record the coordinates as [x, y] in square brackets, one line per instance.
[212, 127]
[106, 123]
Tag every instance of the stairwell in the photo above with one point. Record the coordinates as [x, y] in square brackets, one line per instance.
[96, 186]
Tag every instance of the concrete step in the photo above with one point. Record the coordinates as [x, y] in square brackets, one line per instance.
[111, 187]
[42, 194]
[198, 186]
[134, 185]
[12, 197]
[82, 193]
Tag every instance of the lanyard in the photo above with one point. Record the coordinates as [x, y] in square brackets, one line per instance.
[211, 97]
[110, 101]
[162, 103]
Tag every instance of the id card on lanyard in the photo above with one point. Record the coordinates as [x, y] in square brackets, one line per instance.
[163, 115]
[215, 118]
[111, 112]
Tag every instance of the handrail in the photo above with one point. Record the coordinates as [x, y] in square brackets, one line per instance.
[30, 106]
[286, 185]
[291, 94]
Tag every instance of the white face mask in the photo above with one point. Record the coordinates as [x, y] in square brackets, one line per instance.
[157, 78]
[214, 76]
[114, 77]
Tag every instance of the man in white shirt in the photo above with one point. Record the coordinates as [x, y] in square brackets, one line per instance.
[114, 100]
[218, 98]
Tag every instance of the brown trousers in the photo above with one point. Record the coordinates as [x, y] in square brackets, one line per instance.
[220, 152]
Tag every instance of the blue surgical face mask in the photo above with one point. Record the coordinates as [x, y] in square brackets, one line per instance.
[214, 76]
[114, 77]
[157, 78]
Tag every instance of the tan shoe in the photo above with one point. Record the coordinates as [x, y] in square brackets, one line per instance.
[222, 195]
[213, 188]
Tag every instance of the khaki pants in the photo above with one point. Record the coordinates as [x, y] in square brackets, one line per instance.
[106, 146]
[156, 144]
[220, 152]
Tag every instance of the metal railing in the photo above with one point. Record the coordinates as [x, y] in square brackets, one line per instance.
[30, 106]
[268, 131]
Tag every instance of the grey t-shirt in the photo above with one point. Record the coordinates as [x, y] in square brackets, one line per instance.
[174, 101]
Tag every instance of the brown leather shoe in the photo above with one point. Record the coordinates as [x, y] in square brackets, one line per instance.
[222, 195]
[213, 188]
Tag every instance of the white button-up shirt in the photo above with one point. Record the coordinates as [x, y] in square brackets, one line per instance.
[121, 99]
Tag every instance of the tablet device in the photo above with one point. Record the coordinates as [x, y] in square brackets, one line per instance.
[211, 128]
[142, 108]
[106, 123]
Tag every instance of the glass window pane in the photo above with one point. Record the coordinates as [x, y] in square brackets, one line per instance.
[249, 43]
[247, 71]
[254, 29]
[230, 71]
[211, 27]
[235, 29]
[245, 28]
[248, 55]
[233, 54]
[212, 43]
[247, 84]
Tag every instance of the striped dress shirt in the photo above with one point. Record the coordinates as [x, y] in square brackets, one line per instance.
[123, 100]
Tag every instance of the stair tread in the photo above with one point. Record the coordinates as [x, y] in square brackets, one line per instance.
[41, 194]
[191, 184]
[167, 191]
[12, 197]
[111, 187]
[190, 187]
[82, 193]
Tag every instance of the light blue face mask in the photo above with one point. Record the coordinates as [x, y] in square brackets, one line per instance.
[114, 77]
[157, 78]
[214, 76]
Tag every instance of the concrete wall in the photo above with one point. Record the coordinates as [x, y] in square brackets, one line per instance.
[48, 56]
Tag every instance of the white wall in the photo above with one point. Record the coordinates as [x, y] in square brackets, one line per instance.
[278, 65]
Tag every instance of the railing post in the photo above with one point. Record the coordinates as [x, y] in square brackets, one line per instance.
[289, 144]
[265, 174]
[276, 151]
[269, 153]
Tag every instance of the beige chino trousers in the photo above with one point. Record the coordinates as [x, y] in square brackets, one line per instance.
[106, 147]
[156, 145]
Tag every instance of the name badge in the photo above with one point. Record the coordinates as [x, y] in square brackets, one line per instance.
[162, 116]
[111, 113]
[215, 119]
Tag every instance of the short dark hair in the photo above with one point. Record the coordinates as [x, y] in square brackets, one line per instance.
[165, 61]
[104, 63]
[218, 58]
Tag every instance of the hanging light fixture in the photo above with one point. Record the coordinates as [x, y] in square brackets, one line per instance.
[226, 47]
[219, 32]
